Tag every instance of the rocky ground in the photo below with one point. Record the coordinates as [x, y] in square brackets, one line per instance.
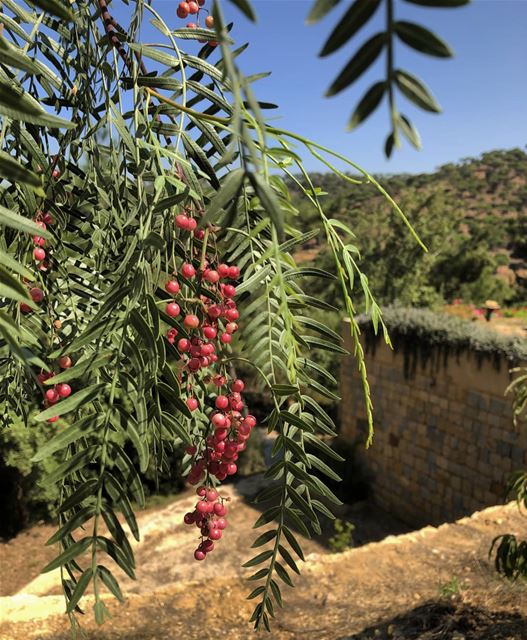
[432, 584]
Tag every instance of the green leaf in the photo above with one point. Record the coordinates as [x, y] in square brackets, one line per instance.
[74, 401]
[264, 538]
[116, 553]
[63, 438]
[76, 521]
[293, 542]
[422, 39]
[389, 145]
[14, 57]
[409, 131]
[9, 262]
[269, 202]
[320, 9]
[81, 368]
[229, 190]
[276, 592]
[20, 223]
[282, 574]
[110, 582]
[56, 7]
[288, 558]
[76, 462]
[369, 102]
[355, 17]
[79, 590]
[261, 557]
[362, 60]
[322, 466]
[256, 592]
[19, 105]
[284, 389]
[416, 91]
[266, 517]
[318, 343]
[86, 490]
[246, 8]
[74, 550]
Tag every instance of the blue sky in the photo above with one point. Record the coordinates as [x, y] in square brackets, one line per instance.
[482, 90]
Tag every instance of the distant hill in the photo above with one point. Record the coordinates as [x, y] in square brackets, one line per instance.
[471, 215]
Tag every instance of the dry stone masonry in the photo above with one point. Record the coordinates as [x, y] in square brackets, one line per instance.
[445, 442]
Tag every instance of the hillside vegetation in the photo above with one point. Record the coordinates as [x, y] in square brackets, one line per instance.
[472, 216]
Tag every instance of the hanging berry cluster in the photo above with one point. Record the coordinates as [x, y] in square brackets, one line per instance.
[209, 326]
[52, 395]
[195, 8]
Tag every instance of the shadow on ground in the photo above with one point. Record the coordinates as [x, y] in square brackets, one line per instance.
[447, 621]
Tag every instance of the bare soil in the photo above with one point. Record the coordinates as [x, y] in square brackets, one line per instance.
[433, 584]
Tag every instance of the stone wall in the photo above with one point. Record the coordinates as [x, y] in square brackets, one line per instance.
[444, 441]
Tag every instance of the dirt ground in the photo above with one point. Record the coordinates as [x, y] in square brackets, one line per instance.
[433, 584]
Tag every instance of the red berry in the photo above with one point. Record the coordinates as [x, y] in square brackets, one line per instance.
[188, 271]
[250, 421]
[226, 338]
[39, 254]
[194, 364]
[229, 291]
[238, 386]
[47, 219]
[221, 523]
[220, 509]
[193, 7]
[25, 308]
[64, 390]
[207, 546]
[215, 534]
[218, 420]
[191, 321]
[209, 22]
[232, 315]
[53, 419]
[182, 10]
[199, 555]
[211, 276]
[222, 402]
[201, 491]
[181, 221]
[37, 295]
[39, 241]
[52, 396]
[192, 404]
[209, 332]
[223, 270]
[192, 25]
[231, 469]
[183, 344]
[192, 224]
[212, 495]
[189, 518]
[172, 286]
[231, 327]
[55, 174]
[65, 362]
[172, 309]
[214, 311]
[234, 273]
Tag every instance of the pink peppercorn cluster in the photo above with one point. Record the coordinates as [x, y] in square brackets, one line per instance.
[58, 392]
[195, 8]
[209, 517]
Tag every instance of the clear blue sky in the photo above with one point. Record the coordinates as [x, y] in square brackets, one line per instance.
[482, 90]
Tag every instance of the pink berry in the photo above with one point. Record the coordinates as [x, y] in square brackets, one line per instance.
[199, 555]
[231, 469]
[183, 344]
[65, 362]
[192, 25]
[215, 534]
[192, 224]
[221, 523]
[218, 420]
[64, 390]
[193, 7]
[53, 419]
[207, 546]
[214, 311]
[37, 295]
[229, 291]
[194, 364]
[238, 386]
[250, 421]
[234, 273]
[211, 276]
[181, 221]
[52, 396]
[212, 495]
[39, 241]
[223, 270]
[172, 286]
[231, 327]
[209, 332]
[226, 338]
[222, 402]
[220, 509]
[201, 491]
[191, 321]
[188, 271]
[232, 315]
[192, 404]
[39, 254]
[172, 309]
